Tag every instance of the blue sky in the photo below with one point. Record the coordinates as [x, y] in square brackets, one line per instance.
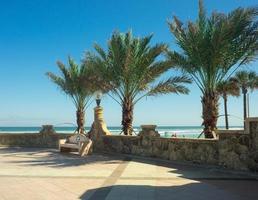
[36, 33]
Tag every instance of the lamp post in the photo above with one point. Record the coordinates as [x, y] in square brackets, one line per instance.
[98, 98]
[99, 126]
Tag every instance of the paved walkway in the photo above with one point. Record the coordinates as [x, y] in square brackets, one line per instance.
[28, 173]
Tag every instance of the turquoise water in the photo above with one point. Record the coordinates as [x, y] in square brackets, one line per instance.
[164, 131]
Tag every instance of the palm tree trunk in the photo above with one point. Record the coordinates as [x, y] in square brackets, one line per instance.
[80, 121]
[244, 102]
[225, 98]
[210, 113]
[244, 91]
[127, 116]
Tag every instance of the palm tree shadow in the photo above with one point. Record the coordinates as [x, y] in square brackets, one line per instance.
[194, 191]
[53, 158]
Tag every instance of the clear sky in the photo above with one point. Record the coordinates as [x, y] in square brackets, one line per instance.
[34, 34]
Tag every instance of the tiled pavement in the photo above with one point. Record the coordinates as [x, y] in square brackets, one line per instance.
[27, 173]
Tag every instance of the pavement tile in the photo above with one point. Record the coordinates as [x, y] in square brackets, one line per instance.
[45, 174]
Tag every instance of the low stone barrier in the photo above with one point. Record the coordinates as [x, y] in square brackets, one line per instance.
[149, 143]
[232, 149]
[178, 149]
[47, 137]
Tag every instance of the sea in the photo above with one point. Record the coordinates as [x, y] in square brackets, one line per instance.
[164, 131]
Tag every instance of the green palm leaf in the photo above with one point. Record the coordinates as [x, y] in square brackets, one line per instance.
[76, 81]
[212, 48]
[130, 70]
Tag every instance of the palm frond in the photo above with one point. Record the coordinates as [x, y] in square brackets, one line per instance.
[213, 45]
[76, 81]
[245, 80]
[58, 81]
[130, 65]
[171, 85]
[226, 88]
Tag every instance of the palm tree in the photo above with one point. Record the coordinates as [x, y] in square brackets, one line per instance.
[75, 81]
[224, 89]
[212, 48]
[245, 80]
[130, 69]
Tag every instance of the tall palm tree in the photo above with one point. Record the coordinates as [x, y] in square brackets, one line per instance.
[245, 80]
[224, 89]
[131, 69]
[212, 48]
[75, 81]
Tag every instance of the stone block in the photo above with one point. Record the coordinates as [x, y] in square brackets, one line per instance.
[252, 129]
[241, 149]
[149, 131]
[232, 161]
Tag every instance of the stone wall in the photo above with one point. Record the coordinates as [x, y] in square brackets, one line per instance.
[233, 149]
[195, 150]
[45, 138]
[252, 129]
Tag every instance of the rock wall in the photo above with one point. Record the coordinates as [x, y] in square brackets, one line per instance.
[195, 150]
[252, 129]
[45, 138]
[233, 149]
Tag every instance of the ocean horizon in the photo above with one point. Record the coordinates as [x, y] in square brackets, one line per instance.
[164, 131]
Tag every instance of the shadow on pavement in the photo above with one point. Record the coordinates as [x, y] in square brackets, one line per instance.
[53, 158]
[207, 190]
[190, 181]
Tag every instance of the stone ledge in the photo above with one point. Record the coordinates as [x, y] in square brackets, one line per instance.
[229, 133]
[164, 139]
[10, 134]
[160, 138]
[252, 119]
[32, 134]
[31, 139]
[192, 139]
[221, 131]
[120, 136]
[249, 121]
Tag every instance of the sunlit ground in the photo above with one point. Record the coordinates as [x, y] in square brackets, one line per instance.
[28, 173]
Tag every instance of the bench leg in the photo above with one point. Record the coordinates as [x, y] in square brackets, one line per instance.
[86, 148]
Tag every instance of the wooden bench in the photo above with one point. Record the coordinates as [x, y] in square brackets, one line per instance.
[76, 142]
